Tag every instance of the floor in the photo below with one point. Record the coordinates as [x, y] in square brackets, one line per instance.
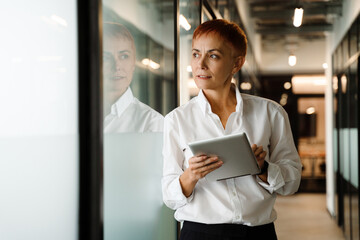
[304, 216]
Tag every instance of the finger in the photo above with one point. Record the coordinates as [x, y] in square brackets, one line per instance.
[205, 162]
[258, 151]
[263, 154]
[197, 159]
[211, 167]
[209, 170]
[208, 164]
[254, 147]
[261, 157]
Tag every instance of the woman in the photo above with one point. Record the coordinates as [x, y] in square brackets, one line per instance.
[238, 208]
[123, 111]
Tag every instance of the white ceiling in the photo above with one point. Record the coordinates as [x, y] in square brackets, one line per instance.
[272, 50]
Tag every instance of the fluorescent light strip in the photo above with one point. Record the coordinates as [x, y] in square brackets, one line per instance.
[184, 23]
[298, 16]
[150, 63]
[59, 20]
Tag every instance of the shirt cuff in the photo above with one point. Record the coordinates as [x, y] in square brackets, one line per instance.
[275, 179]
[177, 191]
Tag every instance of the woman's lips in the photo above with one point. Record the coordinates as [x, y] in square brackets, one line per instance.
[203, 76]
[118, 77]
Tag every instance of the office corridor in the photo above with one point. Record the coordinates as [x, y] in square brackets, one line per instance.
[304, 216]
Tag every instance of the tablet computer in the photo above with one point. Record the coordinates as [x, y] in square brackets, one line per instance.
[234, 150]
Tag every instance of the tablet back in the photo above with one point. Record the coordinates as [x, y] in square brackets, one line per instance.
[234, 150]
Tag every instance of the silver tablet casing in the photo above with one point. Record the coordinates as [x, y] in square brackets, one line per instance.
[234, 150]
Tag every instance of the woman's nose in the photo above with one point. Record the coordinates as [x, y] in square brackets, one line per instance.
[202, 63]
[117, 64]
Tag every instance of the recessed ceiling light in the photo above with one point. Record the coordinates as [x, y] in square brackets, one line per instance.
[298, 16]
[287, 85]
[292, 60]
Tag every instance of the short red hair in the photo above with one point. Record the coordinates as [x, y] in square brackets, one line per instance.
[229, 31]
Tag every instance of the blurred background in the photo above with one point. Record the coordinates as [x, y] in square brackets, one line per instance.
[62, 177]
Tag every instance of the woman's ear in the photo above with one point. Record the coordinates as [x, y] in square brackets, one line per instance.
[239, 62]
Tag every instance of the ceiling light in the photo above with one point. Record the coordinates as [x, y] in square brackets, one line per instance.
[308, 84]
[292, 60]
[154, 65]
[298, 16]
[145, 61]
[16, 59]
[184, 23]
[49, 58]
[287, 85]
[343, 82]
[310, 110]
[335, 83]
[283, 100]
[150, 63]
[245, 86]
[320, 82]
[59, 20]
[325, 66]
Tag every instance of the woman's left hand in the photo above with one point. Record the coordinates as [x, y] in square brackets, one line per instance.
[260, 155]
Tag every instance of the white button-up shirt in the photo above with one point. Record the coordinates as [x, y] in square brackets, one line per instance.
[128, 114]
[243, 200]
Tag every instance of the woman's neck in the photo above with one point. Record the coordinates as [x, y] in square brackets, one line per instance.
[222, 103]
[224, 99]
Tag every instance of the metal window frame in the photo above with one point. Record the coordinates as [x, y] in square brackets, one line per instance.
[89, 16]
[176, 52]
[213, 11]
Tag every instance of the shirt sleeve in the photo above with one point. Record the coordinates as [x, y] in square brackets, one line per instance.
[284, 171]
[173, 160]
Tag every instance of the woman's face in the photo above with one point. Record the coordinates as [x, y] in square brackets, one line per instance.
[118, 65]
[213, 62]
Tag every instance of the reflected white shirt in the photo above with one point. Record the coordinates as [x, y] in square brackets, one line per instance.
[245, 200]
[128, 114]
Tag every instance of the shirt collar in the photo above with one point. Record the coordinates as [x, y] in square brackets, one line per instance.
[122, 103]
[206, 107]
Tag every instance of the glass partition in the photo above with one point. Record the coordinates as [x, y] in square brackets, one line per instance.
[189, 20]
[39, 132]
[344, 149]
[138, 89]
[354, 149]
[346, 137]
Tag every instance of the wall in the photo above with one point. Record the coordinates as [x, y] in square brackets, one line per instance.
[249, 25]
[275, 59]
[39, 125]
[351, 9]
[142, 15]
[318, 103]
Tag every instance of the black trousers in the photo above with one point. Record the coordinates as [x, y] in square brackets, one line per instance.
[200, 231]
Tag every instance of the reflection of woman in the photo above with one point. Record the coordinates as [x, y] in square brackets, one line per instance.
[124, 112]
[238, 208]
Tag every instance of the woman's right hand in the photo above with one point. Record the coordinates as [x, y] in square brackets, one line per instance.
[199, 167]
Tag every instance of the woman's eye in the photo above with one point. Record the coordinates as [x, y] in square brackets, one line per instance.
[124, 56]
[213, 56]
[107, 58]
[195, 55]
